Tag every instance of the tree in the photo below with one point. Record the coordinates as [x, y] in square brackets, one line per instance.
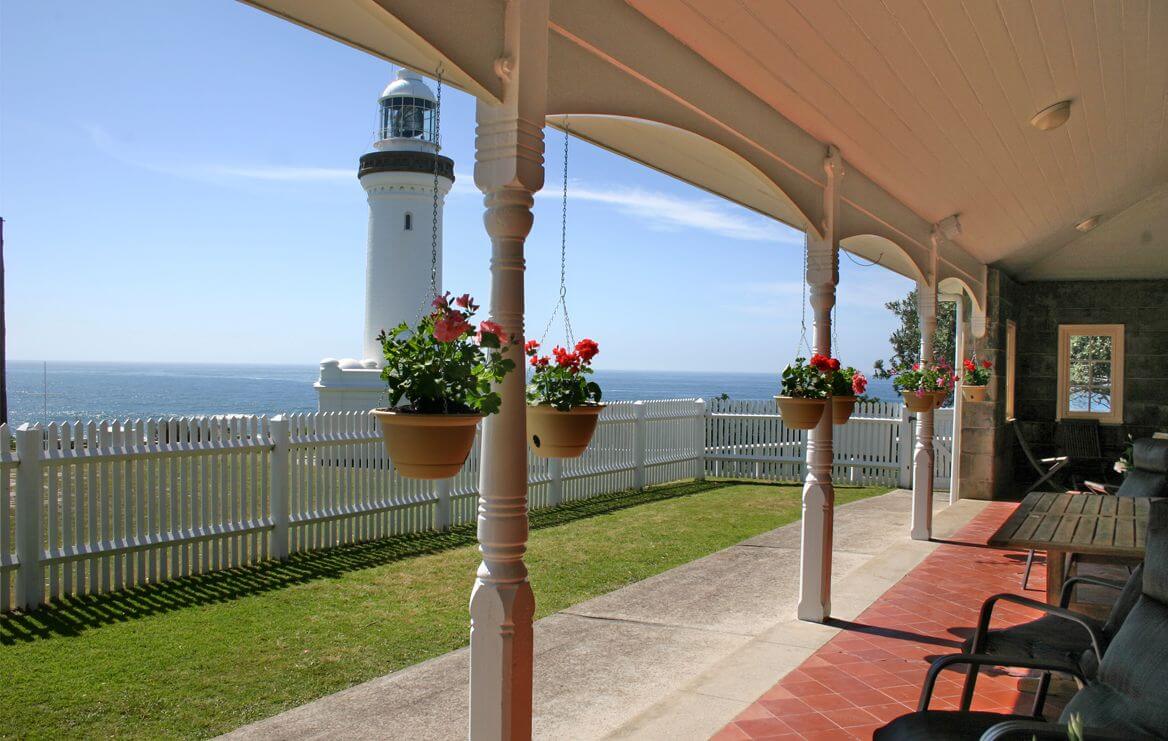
[906, 339]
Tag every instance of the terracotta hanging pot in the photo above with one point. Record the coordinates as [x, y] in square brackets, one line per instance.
[800, 414]
[842, 408]
[916, 403]
[555, 434]
[427, 446]
[974, 393]
[939, 398]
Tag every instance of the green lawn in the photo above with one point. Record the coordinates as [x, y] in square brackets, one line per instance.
[203, 655]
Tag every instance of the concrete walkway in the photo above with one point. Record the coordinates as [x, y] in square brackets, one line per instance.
[675, 656]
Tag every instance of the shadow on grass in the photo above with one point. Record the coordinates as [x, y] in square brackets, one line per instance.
[74, 615]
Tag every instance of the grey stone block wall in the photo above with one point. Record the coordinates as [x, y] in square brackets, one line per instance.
[1141, 306]
[991, 462]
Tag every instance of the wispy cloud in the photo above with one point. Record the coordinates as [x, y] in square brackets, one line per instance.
[283, 173]
[655, 209]
[663, 211]
[107, 145]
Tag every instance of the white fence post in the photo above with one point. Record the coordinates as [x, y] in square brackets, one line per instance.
[700, 418]
[442, 506]
[904, 454]
[556, 484]
[30, 581]
[278, 487]
[639, 446]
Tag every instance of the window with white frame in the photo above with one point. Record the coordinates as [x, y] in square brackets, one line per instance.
[1090, 372]
[1011, 365]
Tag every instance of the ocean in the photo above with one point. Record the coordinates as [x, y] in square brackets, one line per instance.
[74, 390]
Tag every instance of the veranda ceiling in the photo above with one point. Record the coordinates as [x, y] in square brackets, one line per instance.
[928, 102]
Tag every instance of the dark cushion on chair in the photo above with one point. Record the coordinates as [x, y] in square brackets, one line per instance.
[1130, 692]
[1049, 638]
[1155, 584]
[1148, 475]
[1150, 454]
[1143, 484]
[939, 725]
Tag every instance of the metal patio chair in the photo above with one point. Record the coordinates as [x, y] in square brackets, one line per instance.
[1049, 637]
[1125, 699]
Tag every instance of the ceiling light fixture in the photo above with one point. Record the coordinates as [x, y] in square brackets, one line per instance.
[1052, 117]
[1088, 223]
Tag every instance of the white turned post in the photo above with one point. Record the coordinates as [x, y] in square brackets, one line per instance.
[508, 170]
[639, 446]
[278, 485]
[958, 402]
[922, 500]
[30, 578]
[818, 491]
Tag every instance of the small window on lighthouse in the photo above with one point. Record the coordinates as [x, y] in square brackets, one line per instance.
[409, 225]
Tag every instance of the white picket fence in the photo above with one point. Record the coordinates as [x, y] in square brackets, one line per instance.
[747, 439]
[94, 507]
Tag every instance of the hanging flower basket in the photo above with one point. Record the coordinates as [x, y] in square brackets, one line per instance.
[925, 387]
[842, 408]
[806, 388]
[445, 371]
[800, 414]
[847, 385]
[427, 446]
[555, 434]
[563, 406]
[973, 393]
[976, 379]
[914, 403]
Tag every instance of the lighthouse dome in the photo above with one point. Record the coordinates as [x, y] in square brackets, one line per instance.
[408, 84]
[406, 114]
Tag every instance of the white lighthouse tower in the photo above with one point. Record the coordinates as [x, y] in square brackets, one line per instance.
[406, 182]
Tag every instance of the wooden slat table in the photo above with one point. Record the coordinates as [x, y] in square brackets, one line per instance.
[1065, 523]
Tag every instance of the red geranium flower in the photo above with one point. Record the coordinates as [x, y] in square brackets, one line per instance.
[986, 364]
[587, 349]
[531, 347]
[969, 365]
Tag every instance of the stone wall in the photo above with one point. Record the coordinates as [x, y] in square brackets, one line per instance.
[991, 462]
[987, 442]
[1141, 306]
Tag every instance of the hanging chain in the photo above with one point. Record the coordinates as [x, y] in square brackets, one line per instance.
[562, 304]
[434, 214]
[803, 306]
[834, 334]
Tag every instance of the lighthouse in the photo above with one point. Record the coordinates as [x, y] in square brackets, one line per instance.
[406, 181]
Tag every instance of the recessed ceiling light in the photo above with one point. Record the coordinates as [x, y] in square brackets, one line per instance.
[1088, 224]
[1052, 117]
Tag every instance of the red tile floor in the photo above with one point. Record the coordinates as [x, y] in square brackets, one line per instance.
[872, 671]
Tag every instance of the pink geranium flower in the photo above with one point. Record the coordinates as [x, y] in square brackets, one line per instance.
[450, 326]
[859, 383]
[488, 327]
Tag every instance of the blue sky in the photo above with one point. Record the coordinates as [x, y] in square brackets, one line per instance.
[178, 180]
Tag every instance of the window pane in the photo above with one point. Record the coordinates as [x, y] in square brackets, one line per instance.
[1090, 347]
[1101, 399]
